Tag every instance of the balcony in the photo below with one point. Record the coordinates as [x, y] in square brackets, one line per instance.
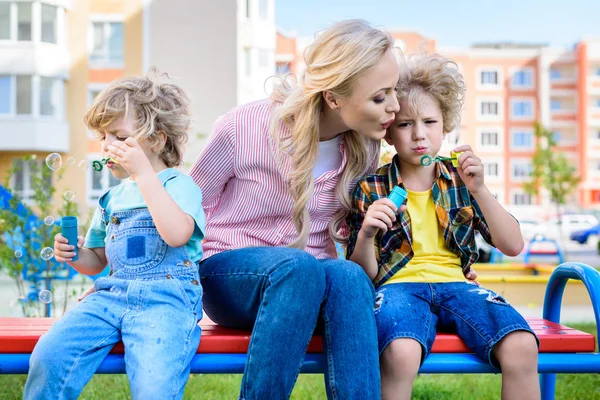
[34, 134]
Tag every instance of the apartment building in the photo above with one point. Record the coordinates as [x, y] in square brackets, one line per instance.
[57, 55]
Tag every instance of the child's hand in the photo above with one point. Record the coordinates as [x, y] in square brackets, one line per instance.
[380, 216]
[130, 155]
[63, 251]
[470, 169]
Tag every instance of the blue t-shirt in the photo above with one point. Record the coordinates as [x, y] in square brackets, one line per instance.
[127, 196]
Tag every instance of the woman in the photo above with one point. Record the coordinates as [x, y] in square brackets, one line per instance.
[276, 178]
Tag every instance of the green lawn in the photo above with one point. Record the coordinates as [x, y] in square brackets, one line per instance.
[582, 386]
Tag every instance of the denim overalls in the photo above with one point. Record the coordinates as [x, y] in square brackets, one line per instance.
[151, 301]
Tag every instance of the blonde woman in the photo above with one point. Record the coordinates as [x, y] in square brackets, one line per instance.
[276, 178]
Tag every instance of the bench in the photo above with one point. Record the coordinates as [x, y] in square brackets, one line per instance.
[223, 350]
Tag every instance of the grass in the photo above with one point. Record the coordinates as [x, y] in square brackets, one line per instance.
[448, 387]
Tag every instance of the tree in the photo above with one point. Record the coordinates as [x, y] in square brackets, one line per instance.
[25, 233]
[551, 171]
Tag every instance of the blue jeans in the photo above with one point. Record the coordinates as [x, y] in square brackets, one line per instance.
[281, 294]
[152, 302]
[417, 310]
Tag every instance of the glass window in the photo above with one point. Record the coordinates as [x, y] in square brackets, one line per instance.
[490, 169]
[489, 77]
[282, 69]
[489, 138]
[263, 9]
[522, 78]
[248, 8]
[108, 42]
[248, 61]
[5, 94]
[489, 108]
[4, 21]
[555, 105]
[24, 21]
[23, 94]
[47, 96]
[523, 139]
[555, 74]
[522, 108]
[49, 23]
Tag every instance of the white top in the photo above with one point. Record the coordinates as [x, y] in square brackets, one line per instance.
[329, 157]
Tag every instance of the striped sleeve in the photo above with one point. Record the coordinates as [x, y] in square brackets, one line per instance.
[215, 164]
[360, 204]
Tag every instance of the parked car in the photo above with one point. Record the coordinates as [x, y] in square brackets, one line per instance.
[583, 235]
[570, 223]
[530, 228]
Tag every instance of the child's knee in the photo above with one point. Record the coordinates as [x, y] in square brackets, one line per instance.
[402, 357]
[518, 350]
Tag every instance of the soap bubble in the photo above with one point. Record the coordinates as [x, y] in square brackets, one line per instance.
[47, 253]
[18, 254]
[69, 195]
[54, 161]
[84, 165]
[45, 296]
[71, 160]
[49, 220]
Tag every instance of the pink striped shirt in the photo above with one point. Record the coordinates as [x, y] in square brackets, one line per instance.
[243, 180]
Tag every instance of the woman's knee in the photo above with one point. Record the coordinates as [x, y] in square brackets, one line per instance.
[402, 358]
[517, 351]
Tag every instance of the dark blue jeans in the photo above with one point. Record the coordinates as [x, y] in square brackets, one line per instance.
[281, 294]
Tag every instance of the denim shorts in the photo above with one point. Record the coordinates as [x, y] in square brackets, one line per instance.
[418, 310]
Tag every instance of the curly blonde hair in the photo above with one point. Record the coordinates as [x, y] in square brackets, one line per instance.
[156, 105]
[334, 62]
[438, 77]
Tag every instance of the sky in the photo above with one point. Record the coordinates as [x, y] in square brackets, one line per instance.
[453, 23]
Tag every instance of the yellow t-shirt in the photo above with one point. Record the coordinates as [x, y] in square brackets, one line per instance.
[432, 260]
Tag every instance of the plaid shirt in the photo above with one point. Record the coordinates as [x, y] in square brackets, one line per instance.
[457, 212]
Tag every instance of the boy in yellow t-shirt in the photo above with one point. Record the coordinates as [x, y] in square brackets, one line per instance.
[419, 254]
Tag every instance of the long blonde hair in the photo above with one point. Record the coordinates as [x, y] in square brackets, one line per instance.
[335, 60]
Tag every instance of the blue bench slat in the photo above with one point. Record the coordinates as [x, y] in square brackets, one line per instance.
[315, 363]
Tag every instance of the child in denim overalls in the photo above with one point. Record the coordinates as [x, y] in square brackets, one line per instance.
[418, 255]
[149, 230]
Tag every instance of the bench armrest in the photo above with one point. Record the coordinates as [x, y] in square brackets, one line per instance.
[556, 287]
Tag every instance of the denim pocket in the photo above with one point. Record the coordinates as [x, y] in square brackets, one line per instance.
[190, 293]
[135, 249]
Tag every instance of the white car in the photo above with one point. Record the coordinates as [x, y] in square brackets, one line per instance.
[569, 224]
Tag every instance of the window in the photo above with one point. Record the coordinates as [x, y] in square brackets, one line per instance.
[5, 94]
[521, 199]
[489, 77]
[107, 43]
[100, 181]
[523, 78]
[248, 7]
[598, 135]
[490, 169]
[4, 21]
[282, 69]
[24, 94]
[598, 103]
[24, 21]
[522, 169]
[489, 108]
[522, 139]
[555, 105]
[49, 26]
[597, 72]
[263, 10]
[248, 61]
[489, 138]
[48, 96]
[23, 177]
[522, 108]
[556, 136]
[555, 74]
[34, 96]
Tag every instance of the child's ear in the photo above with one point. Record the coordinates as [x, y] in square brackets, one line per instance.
[160, 141]
[331, 100]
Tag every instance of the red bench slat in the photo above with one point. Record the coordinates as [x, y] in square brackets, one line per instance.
[19, 335]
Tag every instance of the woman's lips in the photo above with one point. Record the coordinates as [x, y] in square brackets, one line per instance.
[387, 124]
